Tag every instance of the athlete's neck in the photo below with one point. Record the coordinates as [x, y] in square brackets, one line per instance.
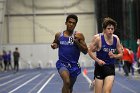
[108, 37]
[69, 33]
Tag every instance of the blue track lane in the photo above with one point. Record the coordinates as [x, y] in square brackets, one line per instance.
[49, 81]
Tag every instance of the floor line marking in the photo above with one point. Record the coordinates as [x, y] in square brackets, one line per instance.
[87, 78]
[5, 77]
[25, 83]
[125, 87]
[11, 80]
[38, 84]
[39, 91]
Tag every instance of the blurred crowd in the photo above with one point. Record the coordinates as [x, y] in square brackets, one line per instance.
[130, 61]
[6, 62]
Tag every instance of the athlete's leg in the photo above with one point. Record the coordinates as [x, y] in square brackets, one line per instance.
[72, 82]
[98, 85]
[99, 77]
[64, 73]
[108, 84]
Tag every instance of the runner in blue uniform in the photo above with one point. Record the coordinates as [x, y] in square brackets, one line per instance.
[69, 43]
[105, 44]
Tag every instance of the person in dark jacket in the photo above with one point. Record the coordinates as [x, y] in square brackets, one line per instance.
[9, 60]
[16, 56]
[5, 59]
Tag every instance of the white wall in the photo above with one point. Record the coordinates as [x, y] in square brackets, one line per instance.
[33, 55]
[34, 34]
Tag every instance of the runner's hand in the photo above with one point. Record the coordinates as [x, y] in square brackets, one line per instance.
[54, 45]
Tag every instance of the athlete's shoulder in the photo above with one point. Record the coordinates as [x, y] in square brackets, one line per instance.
[58, 34]
[115, 36]
[97, 36]
[78, 32]
[118, 40]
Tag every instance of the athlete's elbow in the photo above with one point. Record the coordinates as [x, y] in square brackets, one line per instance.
[85, 51]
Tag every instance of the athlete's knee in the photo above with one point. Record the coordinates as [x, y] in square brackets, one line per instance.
[67, 82]
[107, 91]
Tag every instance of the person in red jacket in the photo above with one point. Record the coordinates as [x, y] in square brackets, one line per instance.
[132, 61]
[126, 59]
[138, 54]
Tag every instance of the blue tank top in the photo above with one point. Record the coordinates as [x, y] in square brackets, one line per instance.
[68, 50]
[105, 49]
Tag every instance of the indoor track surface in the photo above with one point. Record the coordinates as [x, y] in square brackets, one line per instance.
[48, 81]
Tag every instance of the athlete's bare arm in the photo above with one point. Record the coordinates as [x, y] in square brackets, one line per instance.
[119, 50]
[93, 47]
[79, 39]
[55, 43]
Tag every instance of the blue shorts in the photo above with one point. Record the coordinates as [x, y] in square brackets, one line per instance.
[74, 69]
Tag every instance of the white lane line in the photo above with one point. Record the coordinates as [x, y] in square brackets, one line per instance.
[39, 91]
[38, 84]
[5, 77]
[87, 78]
[25, 83]
[11, 80]
[129, 89]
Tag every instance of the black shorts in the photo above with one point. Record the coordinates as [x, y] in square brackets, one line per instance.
[103, 71]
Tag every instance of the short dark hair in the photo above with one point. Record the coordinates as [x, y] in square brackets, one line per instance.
[72, 16]
[109, 21]
[16, 48]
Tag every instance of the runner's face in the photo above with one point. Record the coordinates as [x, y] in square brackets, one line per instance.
[71, 23]
[109, 30]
